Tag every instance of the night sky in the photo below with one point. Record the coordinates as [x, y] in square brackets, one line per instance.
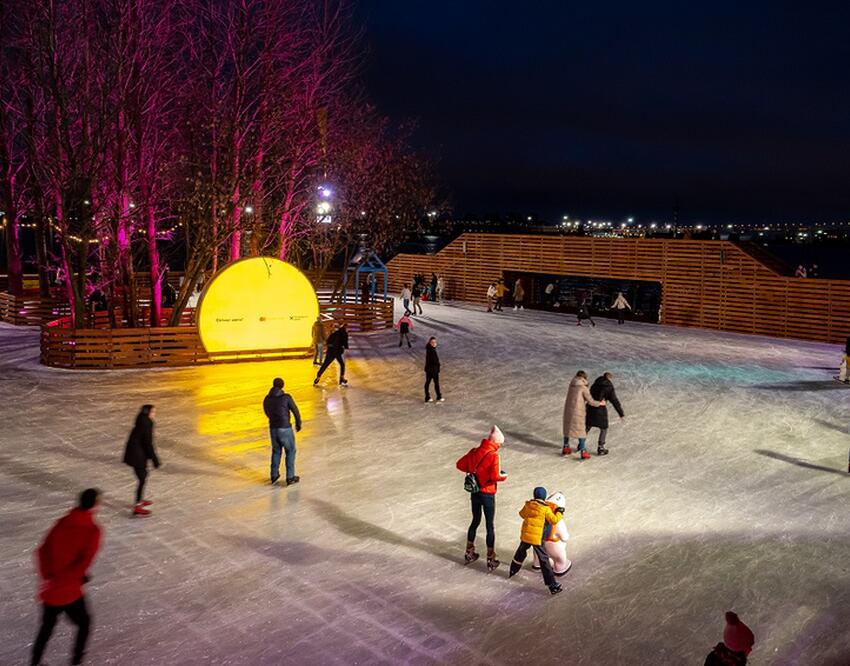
[741, 110]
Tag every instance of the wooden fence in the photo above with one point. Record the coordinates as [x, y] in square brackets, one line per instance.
[706, 284]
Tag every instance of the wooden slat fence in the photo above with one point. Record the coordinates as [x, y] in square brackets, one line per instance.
[706, 284]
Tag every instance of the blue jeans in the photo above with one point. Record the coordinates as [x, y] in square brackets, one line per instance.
[283, 438]
[581, 441]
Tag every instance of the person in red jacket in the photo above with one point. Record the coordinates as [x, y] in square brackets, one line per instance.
[483, 462]
[63, 561]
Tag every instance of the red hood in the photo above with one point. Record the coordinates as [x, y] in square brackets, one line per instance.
[488, 445]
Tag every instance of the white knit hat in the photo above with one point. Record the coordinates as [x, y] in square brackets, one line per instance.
[496, 435]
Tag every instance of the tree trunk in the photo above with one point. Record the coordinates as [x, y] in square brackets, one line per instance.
[14, 265]
[153, 257]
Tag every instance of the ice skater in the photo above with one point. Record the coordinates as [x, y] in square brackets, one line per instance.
[432, 370]
[536, 515]
[64, 558]
[405, 297]
[519, 295]
[441, 288]
[491, 296]
[584, 312]
[138, 450]
[501, 290]
[620, 304]
[417, 295]
[575, 417]
[737, 643]
[555, 538]
[597, 417]
[278, 406]
[318, 341]
[337, 343]
[404, 326]
[484, 466]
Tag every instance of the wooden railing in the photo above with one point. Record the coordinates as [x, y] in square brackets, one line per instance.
[706, 284]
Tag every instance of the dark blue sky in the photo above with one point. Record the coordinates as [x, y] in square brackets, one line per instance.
[739, 109]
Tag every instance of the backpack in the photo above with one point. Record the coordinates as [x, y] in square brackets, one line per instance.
[470, 481]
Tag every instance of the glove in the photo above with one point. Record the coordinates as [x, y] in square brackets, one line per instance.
[559, 511]
[298, 428]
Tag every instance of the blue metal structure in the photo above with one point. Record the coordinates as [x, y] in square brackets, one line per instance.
[369, 268]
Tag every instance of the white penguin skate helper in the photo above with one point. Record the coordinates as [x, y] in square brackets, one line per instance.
[555, 542]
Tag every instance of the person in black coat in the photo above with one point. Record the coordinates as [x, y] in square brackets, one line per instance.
[597, 417]
[432, 370]
[336, 343]
[138, 451]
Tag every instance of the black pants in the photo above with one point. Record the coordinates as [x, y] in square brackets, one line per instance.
[542, 556]
[500, 300]
[330, 357]
[603, 435]
[485, 502]
[141, 475]
[404, 336]
[77, 613]
[621, 313]
[432, 377]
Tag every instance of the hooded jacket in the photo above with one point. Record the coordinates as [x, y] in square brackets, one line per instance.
[65, 555]
[337, 341]
[277, 405]
[602, 389]
[483, 461]
[432, 360]
[536, 514]
[139, 448]
[578, 395]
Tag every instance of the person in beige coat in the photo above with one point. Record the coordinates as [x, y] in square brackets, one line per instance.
[578, 397]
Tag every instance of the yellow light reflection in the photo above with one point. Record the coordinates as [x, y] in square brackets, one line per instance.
[254, 304]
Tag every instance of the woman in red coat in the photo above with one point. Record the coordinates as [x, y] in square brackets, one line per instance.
[483, 462]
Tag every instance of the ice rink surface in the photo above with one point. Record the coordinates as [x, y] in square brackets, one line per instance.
[726, 488]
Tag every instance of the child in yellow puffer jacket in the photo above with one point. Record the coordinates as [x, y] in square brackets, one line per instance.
[535, 515]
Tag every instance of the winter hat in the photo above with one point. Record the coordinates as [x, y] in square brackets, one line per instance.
[540, 493]
[737, 635]
[496, 435]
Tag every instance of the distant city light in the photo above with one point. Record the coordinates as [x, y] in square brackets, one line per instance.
[325, 192]
[529, 218]
[323, 208]
[630, 220]
[249, 209]
[653, 225]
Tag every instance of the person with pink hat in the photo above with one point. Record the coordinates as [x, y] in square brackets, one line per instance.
[738, 640]
[483, 473]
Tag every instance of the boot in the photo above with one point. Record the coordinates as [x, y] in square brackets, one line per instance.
[515, 567]
[492, 562]
[585, 455]
[602, 451]
[555, 589]
[140, 511]
[566, 451]
[470, 555]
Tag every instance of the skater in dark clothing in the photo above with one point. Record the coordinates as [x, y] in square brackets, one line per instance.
[536, 515]
[736, 645]
[417, 295]
[318, 341]
[337, 343]
[584, 312]
[138, 451]
[432, 294]
[432, 370]
[483, 462]
[63, 562]
[404, 326]
[597, 417]
[278, 406]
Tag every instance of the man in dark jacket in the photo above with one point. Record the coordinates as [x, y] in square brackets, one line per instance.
[597, 417]
[278, 406]
[432, 370]
[63, 561]
[337, 343]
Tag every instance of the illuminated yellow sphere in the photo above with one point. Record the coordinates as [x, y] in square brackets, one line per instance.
[257, 304]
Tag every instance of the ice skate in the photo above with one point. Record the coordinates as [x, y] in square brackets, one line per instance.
[140, 511]
[343, 383]
[294, 479]
[145, 503]
[428, 400]
[585, 455]
[492, 561]
[275, 478]
[555, 589]
[515, 567]
[566, 451]
[470, 555]
[315, 381]
[441, 399]
[602, 451]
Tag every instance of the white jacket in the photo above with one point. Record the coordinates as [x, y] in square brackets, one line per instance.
[405, 294]
[621, 303]
[491, 291]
